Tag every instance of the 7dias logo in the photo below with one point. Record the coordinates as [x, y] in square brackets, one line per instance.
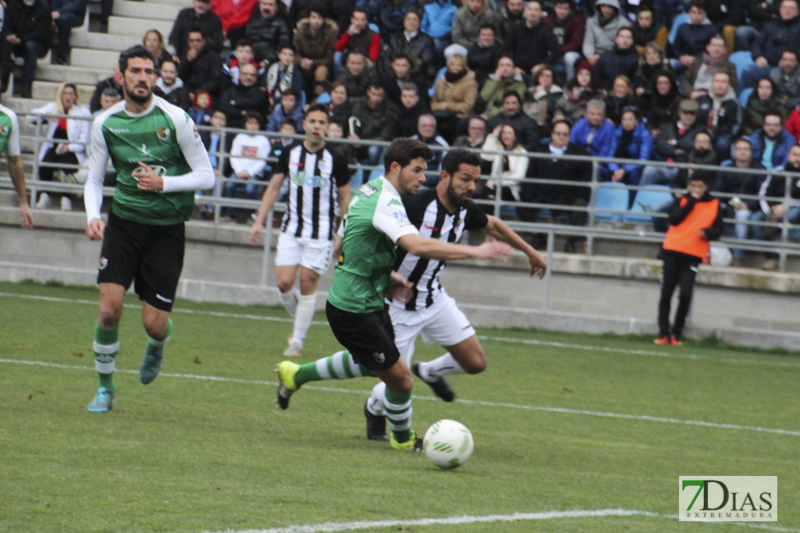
[728, 498]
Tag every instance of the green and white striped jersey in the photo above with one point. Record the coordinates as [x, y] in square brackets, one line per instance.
[165, 138]
[375, 220]
[9, 132]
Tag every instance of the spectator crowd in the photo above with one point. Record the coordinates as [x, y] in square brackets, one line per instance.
[702, 81]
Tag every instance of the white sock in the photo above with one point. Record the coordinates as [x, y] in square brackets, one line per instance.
[303, 316]
[444, 365]
[289, 301]
[375, 402]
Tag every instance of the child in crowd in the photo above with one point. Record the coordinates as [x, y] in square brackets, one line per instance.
[283, 75]
[288, 108]
[696, 219]
[201, 108]
[241, 56]
[248, 159]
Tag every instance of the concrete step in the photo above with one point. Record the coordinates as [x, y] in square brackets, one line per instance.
[103, 41]
[137, 26]
[24, 105]
[146, 10]
[79, 75]
[179, 3]
[47, 90]
[86, 57]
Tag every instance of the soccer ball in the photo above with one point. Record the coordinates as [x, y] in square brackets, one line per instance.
[448, 444]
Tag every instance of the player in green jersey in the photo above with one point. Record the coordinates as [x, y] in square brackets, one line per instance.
[160, 162]
[375, 223]
[9, 143]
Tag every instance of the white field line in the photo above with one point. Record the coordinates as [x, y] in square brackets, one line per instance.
[456, 520]
[648, 353]
[561, 410]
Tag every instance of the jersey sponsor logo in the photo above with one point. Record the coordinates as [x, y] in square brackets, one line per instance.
[367, 190]
[302, 180]
[163, 134]
[119, 130]
[4, 130]
[400, 216]
[159, 170]
[103, 263]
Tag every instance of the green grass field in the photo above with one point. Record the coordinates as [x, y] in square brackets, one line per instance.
[573, 433]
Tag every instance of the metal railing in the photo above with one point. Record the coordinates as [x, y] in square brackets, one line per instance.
[782, 244]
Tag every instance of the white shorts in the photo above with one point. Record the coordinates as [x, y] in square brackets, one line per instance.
[310, 253]
[442, 323]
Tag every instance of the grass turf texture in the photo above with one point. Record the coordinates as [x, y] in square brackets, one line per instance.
[189, 454]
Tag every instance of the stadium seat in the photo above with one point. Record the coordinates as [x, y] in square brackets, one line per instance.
[644, 203]
[673, 31]
[745, 96]
[610, 196]
[435, 80]
[741, 60]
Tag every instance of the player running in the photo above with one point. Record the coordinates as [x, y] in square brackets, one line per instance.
[376, 222]
[160, 162]
[9, 143]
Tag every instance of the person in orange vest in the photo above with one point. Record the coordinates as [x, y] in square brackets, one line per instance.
[696, 219]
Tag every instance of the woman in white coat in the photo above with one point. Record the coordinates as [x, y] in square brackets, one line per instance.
[508, 171]
[65, 148]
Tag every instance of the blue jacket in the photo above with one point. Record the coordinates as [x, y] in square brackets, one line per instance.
[603, 140]
[277, 116]
[437, 21]
[692, 39]
[639, 148]
[782, 147]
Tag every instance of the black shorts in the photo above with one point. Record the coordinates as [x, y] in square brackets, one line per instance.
[369, 337]
[151, 256]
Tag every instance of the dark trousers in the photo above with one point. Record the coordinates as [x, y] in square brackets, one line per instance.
[679, 270]
[65, 23]
[31, 52]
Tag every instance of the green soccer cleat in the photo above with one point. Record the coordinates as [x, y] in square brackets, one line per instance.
[102, 402]
[286, 386]
[413, 444]
[151, 365]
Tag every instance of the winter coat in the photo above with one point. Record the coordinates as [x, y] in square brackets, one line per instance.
[777, 36]
[233, 15]
[376, 124]
[729, 115]
[526, 128]
[278, 115]
[557, 169]
[318, 47]
[517, 165]
[691, 39]
[237, 99]
[666, 150]
[737, 184]
[639, 148]
[466, 24]
[782, 147]
[689, 79]
[483, 61]
[598, 38]
[202, 73]
[420, 46]
[209, 24]
[532, 46]
[493, 90]
[570, 34]
[458, 97]
[267, 36]
[602, 141]
[616, 62]
[437, 20]
[77, 130]
[29, 23]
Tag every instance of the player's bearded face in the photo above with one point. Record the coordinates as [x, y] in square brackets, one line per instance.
[139, 80]
[462, 185]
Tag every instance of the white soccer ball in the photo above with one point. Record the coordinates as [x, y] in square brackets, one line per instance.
[448, 444]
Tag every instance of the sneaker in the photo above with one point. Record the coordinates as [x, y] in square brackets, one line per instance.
[66, 204]
[293, 350]
[151, 364]
[44, 201]
[676, 341]
[441, 387]
[376, 425]
[286, 387]
[661, 341]
[413, 444]
[102, 402]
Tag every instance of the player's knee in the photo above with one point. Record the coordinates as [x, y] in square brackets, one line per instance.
[402, 385]
[475, 364]
[285, 284]
[109, 315]
[156, 327]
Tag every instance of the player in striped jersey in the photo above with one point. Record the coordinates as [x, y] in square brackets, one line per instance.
[423, 306]
[9, 143]
[317, 174]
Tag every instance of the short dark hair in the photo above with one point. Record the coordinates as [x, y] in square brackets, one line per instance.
[360, 10]
[486, 26]
[403, 150]
[289, 92]
[286, 46]
[322, 108]
[169, 60]
[135, 51]
[774, 113]
[706, 176]
[244, 41]
[625, 28]
[455, 158]
[699, 4]
[289, 121]
[512, 92]
[376, 85]
[319, 8]
[254, 115]
[791, 51]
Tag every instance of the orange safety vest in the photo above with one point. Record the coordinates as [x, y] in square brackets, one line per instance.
[685, 237]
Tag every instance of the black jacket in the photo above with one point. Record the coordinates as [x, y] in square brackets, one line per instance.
[777, 36]
[729, 117]
[736, 184]
[267, 36]
[527, 128]
[557, 169]
[613, 63]
[202, 73]
[179, 97]
[532, 46]
[29, 23]
[420, 47]
[101, 85]
[483, 61]
[684, 142]
[209, 24]
[237, 99]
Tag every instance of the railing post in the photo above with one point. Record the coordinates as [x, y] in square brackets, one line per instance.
[267, 255]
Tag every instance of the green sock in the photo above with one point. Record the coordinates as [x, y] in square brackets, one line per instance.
[398, 413]
[157, 346]
[340, 365]
[106, 347]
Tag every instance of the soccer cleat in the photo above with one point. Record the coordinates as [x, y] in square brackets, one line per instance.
[151, 365]
[102, 402]
[413, 444]
[441, 388]
[661, 341]
[675, 341]
[286, 387]
[376, 425]
[293, 350]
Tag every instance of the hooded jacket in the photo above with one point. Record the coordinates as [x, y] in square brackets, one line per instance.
[599, 38]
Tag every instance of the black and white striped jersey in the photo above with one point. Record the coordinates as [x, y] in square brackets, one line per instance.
[428, 214]
[314, 178]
